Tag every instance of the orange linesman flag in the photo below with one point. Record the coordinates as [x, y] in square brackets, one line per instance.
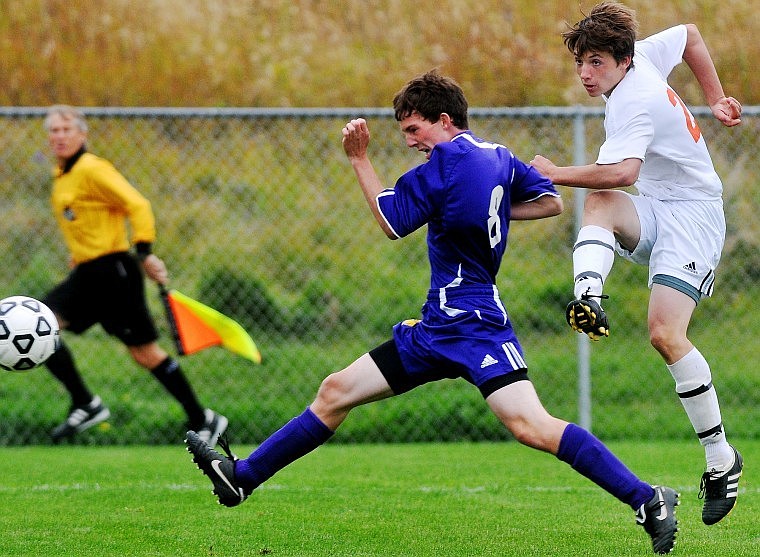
[196, 326]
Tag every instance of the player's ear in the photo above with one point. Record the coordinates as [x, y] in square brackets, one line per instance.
[445, 120]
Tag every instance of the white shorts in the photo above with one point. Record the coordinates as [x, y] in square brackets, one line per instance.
[681, 241]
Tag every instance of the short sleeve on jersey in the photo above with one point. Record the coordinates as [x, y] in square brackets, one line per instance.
[528, 184]
[664, 50]
[415, 198]
[628, 139]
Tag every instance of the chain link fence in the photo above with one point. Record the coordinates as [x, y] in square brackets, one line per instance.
[259, 216]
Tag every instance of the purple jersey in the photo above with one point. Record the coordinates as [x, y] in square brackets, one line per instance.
[464, 194]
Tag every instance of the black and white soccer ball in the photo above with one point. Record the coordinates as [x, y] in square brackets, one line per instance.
[29, 333]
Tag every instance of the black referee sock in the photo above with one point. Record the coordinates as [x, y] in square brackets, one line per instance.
[170, 375]
[61, 366]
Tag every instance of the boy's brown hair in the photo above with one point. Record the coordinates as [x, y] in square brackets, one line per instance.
[610, 27]
[430, 95]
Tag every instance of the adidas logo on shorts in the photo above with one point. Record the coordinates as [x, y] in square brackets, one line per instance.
[488, 361]
[691, 267]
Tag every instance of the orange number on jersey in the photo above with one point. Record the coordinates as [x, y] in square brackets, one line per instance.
[691, 124]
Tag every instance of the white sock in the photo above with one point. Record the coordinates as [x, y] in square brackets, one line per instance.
[699, 399]
[593, 255]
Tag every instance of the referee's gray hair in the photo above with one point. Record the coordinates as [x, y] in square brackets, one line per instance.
[67, 113]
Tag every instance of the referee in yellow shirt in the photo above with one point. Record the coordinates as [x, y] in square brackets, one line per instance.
[92, 202]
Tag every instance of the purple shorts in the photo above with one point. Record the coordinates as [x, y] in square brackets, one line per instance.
[467, 335]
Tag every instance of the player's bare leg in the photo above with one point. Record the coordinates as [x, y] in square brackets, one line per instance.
[670, 312]
[609, 217]
[518, 407]
[235, 479]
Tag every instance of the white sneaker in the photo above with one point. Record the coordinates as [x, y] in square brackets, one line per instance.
[213, 427]
[81, 418]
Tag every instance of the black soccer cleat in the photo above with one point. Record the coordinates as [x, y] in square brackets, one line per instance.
[81, 418]
[719, 491]
[585, 315]
[658, 517]
[220, 469]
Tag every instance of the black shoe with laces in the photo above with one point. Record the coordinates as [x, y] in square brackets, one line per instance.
[658, 517]
[81, 418]
[719, 490]
[585, 315]
[220, 469]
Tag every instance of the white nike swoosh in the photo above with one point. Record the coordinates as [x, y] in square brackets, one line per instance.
[215, 465]
[663, 508]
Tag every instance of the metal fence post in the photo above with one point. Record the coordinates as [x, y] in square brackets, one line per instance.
[584, 352]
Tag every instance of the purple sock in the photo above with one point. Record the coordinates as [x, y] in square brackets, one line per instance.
[296, 438]
[591, 458]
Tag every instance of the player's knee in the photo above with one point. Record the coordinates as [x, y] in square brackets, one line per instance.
[597, 200]
[665, 340]
[148, 355]
[331, 392]
[526, 433]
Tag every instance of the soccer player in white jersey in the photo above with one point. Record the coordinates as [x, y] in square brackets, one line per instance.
[467, 192]
[675, 225]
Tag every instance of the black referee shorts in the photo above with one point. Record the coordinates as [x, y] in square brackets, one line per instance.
[109, 290]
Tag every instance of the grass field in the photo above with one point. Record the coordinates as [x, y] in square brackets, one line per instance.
[457, 499]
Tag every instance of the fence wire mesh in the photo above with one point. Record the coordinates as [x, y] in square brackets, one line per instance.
[259, 216]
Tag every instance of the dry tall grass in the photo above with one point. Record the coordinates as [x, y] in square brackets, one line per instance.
[325, 53]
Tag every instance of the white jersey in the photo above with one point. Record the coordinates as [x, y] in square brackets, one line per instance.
[645, 119]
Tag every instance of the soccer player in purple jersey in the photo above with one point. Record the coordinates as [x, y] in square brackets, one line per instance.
[675, 225]
[467, 192]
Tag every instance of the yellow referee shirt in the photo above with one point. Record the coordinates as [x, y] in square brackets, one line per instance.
[92, 202]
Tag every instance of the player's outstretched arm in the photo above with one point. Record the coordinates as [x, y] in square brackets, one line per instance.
[591, 176]
[726, 110]
[355, 141]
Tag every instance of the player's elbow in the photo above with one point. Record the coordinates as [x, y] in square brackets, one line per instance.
[693, 36]
[629, 170]
[628, 178]
[555, 206]
[549, 206]
[387, 230]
